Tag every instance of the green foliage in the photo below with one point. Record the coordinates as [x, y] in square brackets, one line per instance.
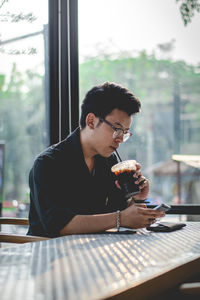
[156, 83]
[22, 128]
[147, 76]
[188, 9]
[2, 81]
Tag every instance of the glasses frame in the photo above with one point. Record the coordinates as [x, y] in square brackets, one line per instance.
[118, 132]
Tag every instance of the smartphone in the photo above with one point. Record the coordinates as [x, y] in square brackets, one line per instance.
[163, 207]
[166, 227]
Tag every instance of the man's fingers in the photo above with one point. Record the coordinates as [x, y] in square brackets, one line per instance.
[152, 213]
[143, 183]
[140, 205]
[137, 174]
[138, 166]
[141, 179]
[117, 184]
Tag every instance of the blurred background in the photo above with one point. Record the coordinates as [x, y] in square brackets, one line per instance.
[149, 46]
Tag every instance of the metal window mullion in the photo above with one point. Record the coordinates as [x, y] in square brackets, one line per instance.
[64, 70]
[53, 52]
[69, 63]
[59, 69]
[69, 67]
[74, 64]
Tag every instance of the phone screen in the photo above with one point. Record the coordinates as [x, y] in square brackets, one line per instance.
[163, 207]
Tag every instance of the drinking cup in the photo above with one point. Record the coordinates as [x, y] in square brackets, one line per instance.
[124, 172]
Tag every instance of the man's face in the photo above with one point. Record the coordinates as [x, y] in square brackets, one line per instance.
[103, 141]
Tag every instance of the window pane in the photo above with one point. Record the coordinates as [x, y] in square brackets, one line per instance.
[145, 46]
[22, 95]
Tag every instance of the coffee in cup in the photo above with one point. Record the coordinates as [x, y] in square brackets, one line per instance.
[124, 172]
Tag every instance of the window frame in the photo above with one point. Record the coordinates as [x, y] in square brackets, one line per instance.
[63, 82]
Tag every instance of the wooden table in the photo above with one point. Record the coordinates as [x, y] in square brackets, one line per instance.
[100, 266]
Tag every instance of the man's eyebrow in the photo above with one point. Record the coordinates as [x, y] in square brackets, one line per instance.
[119, 124]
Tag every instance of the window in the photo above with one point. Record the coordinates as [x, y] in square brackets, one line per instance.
[23, 95]
[145, 46]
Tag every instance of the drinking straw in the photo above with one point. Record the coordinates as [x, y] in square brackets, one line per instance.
[118, 155]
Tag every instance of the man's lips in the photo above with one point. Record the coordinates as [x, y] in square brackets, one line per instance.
[113, 148]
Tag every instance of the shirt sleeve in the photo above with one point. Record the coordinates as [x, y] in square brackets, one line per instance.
[48, 198]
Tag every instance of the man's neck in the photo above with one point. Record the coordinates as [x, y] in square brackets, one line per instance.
[87, 149]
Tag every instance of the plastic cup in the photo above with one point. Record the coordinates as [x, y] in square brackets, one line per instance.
[124, 172]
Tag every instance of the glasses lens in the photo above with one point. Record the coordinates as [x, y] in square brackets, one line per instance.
[126, 137]
[119, 134]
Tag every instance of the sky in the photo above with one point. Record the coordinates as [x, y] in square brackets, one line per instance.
[9, 30]
[110, 26]
[132, 25]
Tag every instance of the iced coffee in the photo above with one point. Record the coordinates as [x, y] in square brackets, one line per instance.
[124, 172]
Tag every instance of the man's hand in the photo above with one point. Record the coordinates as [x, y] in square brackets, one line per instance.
[139, 217]
[143, 184]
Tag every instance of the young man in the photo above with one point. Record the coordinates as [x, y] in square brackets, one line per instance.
[72, 188]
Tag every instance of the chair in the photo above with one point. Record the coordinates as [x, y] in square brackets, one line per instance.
[17, 238]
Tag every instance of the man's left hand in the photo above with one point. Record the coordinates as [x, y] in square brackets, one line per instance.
[143, 184]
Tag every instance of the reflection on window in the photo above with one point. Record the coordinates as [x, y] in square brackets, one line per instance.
[134, 44]
[22, 96]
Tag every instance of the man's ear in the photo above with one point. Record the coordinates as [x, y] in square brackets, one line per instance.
[90, 120]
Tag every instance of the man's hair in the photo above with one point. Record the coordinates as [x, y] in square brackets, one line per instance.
[102, 99]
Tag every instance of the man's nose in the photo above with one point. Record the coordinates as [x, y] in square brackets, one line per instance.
[119, 139]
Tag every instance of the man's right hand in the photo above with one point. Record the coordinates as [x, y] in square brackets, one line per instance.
[139, 217]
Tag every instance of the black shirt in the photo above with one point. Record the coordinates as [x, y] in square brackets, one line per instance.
[61, 186]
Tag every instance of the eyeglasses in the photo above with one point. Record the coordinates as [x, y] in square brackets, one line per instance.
[118, 132]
